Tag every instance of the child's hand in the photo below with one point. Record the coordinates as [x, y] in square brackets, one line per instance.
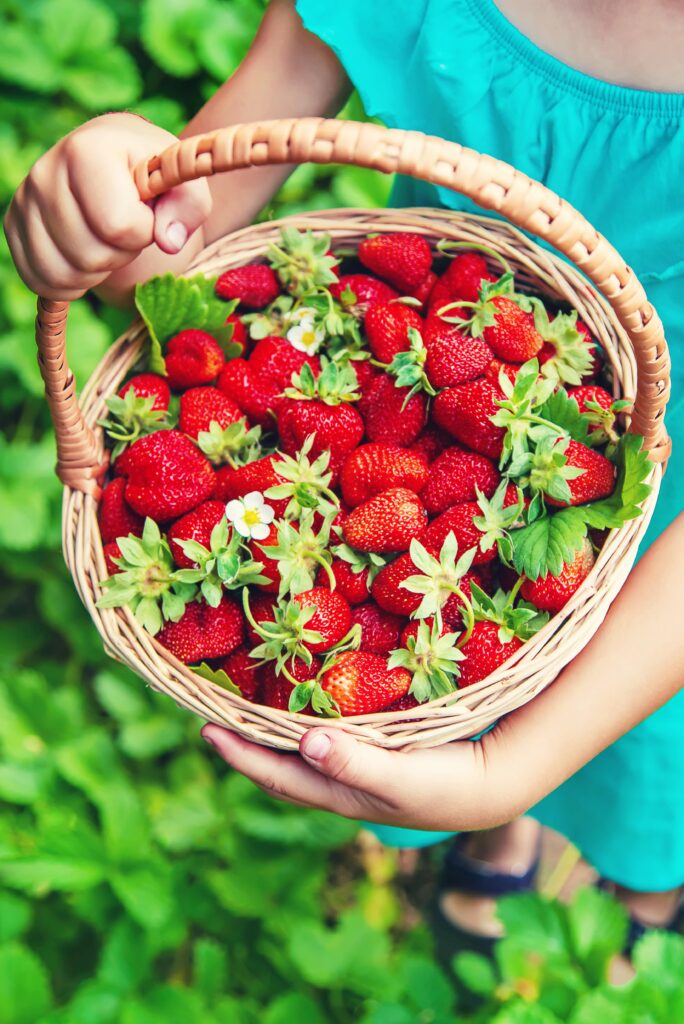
[77, 216]
[450, 788]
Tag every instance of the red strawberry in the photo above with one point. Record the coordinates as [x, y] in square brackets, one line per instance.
[459, 521]
[353, 586]
[386, 522]
[453, 357]
[239, 335]
[255, 476]
[242, 670]
[200, 407]
[550, 593]
[403, 259]
[196, 525]
[464, 276]
[430, 443]
[387, 591]
[261, 607]
[379, 629]
[441, 296]
[387, 328]
[203, 632]
[337, 428]
[366, 374]
[386, 417]
[424, 290]
[111, 551]
[270, 565]
[361, 684]
[193, 358]
[497, 366]
[276, 688]
[373, 468]
[117, 518]
[466, 411]
[149, 385]
[276, 359]
[597, 480]
[358, 292]
[258, 398]
[166, 475]
[452, 609]
[331, 619]
[484, 653]
[406, 703]
[514, 336]
[255, 286]
[588, 397]
[454, 477]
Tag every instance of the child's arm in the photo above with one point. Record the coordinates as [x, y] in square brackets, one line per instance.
[632, 666]
[76, 221]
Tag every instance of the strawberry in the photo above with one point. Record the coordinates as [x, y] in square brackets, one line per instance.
[591, 393]
[254, 286]
[386, 522]
[569, 352]
[601, 408]
[430, 444]
[239, 335]
[166, 475]
[242, 670]
[360, 683]
[453, 357]
[332, 617]
[258, 398]
[403, 259]
[196, 525]
[192, 358]
[111, 551]
[358, 292]
[255, 476]
[387, 327]
[353, 586]
[424, 290]
[498, 366]
[513, 337]
[389, 417]
[406, 703]
[464, 276]
[148, 385]
[455, 476]
[116, 517]
[441, 296]
[366, 375]
[466, 410]
[277, 360]
[550, 593]
[203, 632]
[459, 521]
[373, 468]
[262, 607]
[302, 261]
[380, 629]
[270, 565]
[597, 479]
[484, 652]
[452, 609]
[277, 688]
[200, 407]
[387, 590]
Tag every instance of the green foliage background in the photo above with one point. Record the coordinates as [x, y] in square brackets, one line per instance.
[140, 882]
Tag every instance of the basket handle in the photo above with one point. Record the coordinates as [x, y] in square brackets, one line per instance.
[490, 183]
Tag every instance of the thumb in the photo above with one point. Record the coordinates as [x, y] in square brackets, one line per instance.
[352, 763]
[179, 212]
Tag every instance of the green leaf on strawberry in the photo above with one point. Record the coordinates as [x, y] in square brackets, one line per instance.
[300, 552]
[562, 409]
[522, 619]
[226, 565]
[306, 483]
[549, 543]
[302, 261]
[496, 521]
[408, 368]
[233, 445]
[286, 637]
[547, 470]
[170, 304]
[360, 560]
[217, 676]
[335, 383]
[573, 356]
[519, 414]
[432, 658]
[439, 577]
[133, 416]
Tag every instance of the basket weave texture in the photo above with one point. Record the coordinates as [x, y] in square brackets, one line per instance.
[621, 319]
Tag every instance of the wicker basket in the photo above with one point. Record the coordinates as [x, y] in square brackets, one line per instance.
[624, 322]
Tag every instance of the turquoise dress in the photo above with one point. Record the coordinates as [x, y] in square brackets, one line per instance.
[460, 70]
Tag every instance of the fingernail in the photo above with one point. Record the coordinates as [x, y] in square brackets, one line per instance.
[177, 234]
[316, 746]
[208, 739]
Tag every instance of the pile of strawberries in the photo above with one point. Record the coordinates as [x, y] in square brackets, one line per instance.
[354, 486]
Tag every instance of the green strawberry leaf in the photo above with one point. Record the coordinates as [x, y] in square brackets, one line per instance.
[549, 543]
[562, 409]
[171, 304]
[217, 676]
[630, 490]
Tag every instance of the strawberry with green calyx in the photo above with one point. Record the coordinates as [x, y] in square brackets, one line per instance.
[386, 522]
[466, 412]
[278, 360]
[166, 475]
[392, 416]
[380, 629]
[254, 286]
[601, 412]
[519, 415]
[502, 318]
[499, 515]
[566, 472]
[388, 589]
[196, 525]
[499, 631]
[336, 383]
[148, 385]
[439, 578]
[276, 688]
[519, 619]
[200, 408]
[402, 258]
[146, 582]
[302, 261]
[115, 516]
[360, 683]
[459, 520]
[204, 633]
[387, 329]
[356, 293]
[235, 445]
[225, 565]
[456, 476]
[112, 556]
[432, 657]
[305, 484]
[551, 593]
[242, 672]
[133, 415]
[408, 367]
[453, 357]
[193, 358]
[468, 268]
[375, 467]
[571, 348]
[299, 552]
[354, 571]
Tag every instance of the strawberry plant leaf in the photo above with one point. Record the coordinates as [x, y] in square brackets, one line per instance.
[630, 492]
[562, 409]
[549, 543]
[217, 676]
[171, 304]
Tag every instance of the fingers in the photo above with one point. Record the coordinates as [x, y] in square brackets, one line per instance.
[178, 214]
[336, 754]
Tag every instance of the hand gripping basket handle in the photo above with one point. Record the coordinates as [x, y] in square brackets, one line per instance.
[491, 183]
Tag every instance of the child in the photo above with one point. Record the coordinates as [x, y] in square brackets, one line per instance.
[587, 97]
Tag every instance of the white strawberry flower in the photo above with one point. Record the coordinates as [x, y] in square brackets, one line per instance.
[250, 516]
[304, 335]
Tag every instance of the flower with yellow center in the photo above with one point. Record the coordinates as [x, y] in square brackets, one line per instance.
[250, 515]
[304, 335]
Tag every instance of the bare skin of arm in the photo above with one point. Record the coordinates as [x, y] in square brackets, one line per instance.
[631, 667]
